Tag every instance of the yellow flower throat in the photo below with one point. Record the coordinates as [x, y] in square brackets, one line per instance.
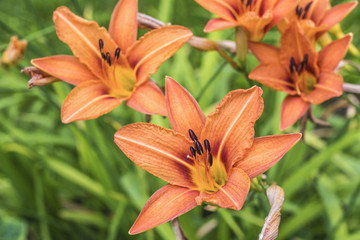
[209, 174]
[119, 76]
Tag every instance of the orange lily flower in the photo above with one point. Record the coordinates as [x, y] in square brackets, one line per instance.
[203, 159]
[308, 77]
[316, 16]
[110, 67]
[256, 17]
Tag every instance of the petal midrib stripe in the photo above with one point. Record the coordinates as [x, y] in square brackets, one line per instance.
[157, 50]
[235, 120]
[88, 104]
[92, 47]
[157, 150]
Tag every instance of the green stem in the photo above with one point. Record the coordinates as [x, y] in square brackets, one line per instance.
[241, 41]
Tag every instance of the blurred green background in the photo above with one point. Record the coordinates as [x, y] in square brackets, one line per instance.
[71, 181]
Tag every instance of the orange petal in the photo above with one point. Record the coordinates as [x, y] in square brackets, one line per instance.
[292, 108]
[337, 13]
[158, 150]
[216, 24]
[265, 53]
[148, 99]
[83, 36]
[222, 8]
[281, 8]
[154, 48]
[230, 129]
[183, 111]
[265, 152]
[330, 85]
[66, 68]
[254, 24]
[317, 10]
[295, 44]
[164, 205]
[273, 76]
[123, 23]
[232, 195]
[88, 100]
[333, 53]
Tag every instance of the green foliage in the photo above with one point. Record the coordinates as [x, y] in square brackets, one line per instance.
[72, 182]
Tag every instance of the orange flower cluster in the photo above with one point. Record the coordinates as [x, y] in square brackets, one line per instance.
[204, 159]
[307, 76]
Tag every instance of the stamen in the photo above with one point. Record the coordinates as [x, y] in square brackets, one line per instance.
[306, 8]
[193, 152]
[248, 3]
[210, 159]
[192, 135]
[108, 59]
[101, 44]
[207, 145]
[199, 149]
[298, 11]
[293, 66]
[103, 56]
[117, 53]
[304, 62]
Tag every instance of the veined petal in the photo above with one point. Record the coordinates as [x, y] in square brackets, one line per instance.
[232, 194]
[265, 53]
[221, 8]
[164, 205]
[295, 44]
[183, 111]
[317, 10]
[230, 129]
[216, 24]
[330, 85]
[66, 68]
[158, 150]
[154, 48]
[337, 13]
[123, 23]
[281, 8]
[148, 99]
[88, 100]
[265, 152]
[292, 108]
[273, 76]
[333, 53]
[83, 36]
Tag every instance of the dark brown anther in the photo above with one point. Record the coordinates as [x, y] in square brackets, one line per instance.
[199, 149]
[293, 66]
[299, 11]
[306, 8]
[101, 44]
[192, 135]
[103, 56]
[207, 145]
[108, 58]
[193, 152]
[304, 62]
[248, 3]
[210, 159]
[117, 53]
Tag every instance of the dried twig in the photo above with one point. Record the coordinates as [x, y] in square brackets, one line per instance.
[179, 234]
[270, 229]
